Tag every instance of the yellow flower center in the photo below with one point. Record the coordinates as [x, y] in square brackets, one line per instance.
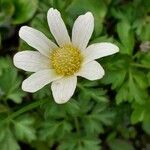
[66, 60]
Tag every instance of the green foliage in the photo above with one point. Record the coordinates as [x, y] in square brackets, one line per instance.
[23, 128]
[146, 127]
[118, 144]
[81, 143]
[25, 10]
[18, 11]
[10, 83]
[111, 113]
[134, 89]
[7, 10]
[98, 8]
[141, 112]
[7, 140]
[14, 12]
[126, 37]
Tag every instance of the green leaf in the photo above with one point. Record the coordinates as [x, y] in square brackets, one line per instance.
[44, 5]
[145, 59]
[126, 37]
[71, 109]
[130, 92]
[145, 31]
[3, 108]
[148, 76]
[146, 127]
[0, 40]
[10, 86]
[7, 139]
[116, 78]
[138, 93]
[118, 144]
[24, 10]
[99, 116]
[23, 128]
[141, 112]
[116, 70]
[123, 94]
[51, 129]
[5, 63]
[95, 94]
[140, 78]
[130, 83]
[134, 89]
[82, 143]
[6, 11]
[93, 125]
[98, 8]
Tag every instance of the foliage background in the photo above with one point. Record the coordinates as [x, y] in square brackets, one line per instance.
[109, 114]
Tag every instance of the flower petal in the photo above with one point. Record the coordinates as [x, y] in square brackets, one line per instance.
[82, 30]
[99, 50]
[91, 71]
[57, 27]
[63, 89]
[31, 61]
[38, 80]
[37, 40]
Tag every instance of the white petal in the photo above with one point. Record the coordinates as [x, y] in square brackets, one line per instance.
[57, 27]
[37, 40]
[99, 50]
[63, 89]
[31, 61]
[82, 30]
[38, 80]
[91, 71]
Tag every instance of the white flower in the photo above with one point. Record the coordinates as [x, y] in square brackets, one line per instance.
[62, 63]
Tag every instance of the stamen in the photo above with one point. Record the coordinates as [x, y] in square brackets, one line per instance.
[66, 60]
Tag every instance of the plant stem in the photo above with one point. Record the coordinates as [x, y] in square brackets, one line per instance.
[67, 3]
[140, 66]
[77, 125]
[23, 110]
[136, 55]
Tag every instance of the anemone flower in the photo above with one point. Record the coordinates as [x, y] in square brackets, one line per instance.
[61, 63]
